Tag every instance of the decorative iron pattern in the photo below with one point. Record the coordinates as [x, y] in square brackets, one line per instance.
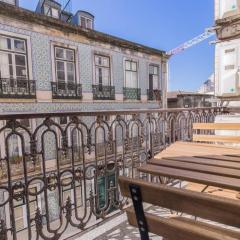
[62, 90]
[101, 92]
[132, 93]
[154, 94]
[43, 194]
[17, 88]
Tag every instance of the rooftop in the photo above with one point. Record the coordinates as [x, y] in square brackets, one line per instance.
[25, 15]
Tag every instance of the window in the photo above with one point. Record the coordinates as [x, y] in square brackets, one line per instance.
[131, 74]
[13, 58]
[102, 70]
[52, 12]
[153, 77]
[86, 22]
[65, 65]
[20, 209]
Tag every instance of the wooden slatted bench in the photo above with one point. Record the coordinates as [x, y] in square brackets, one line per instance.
[217, 209]
[201, 161]
[216, 138]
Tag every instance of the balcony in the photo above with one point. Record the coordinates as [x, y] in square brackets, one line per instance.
[17, 88]
[132, 93]
[101, 92]
[62, 90]
[154, 95]
[69, 173]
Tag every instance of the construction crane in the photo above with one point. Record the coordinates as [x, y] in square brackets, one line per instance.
[209, 32]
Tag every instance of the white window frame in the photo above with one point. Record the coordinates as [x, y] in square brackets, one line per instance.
[159, 76]
[62, 45]
[124, 69]
[86, 22]
[96, 81]
[28, 49]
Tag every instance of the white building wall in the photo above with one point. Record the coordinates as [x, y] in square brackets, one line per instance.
[227, 65]
[226, 8]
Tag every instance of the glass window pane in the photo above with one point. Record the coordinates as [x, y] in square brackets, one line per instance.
[156, 70]
[134, 66]
[134, 80]
[128, 79]
[61, 76]
[83, 22]
[5, 43]
[97, 60]
[47, 10]
[21, 71]
[70, 55]
[151, 70]
[19, 45]
[59, 53]
[128, 65]
[89, 23]
[155, 82]
[106, 76]
[20, 60]
[55, 13]
[60, 66]
[5, 68]
[70, 67]
[70, 77]
[105, 62]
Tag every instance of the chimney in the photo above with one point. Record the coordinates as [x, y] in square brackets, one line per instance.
[84, 19]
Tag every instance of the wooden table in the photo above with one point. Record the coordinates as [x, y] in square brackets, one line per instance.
[207, 164]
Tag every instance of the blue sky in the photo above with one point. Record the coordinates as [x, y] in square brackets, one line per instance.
[162, 24]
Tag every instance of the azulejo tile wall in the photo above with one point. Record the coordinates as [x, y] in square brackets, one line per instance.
[42, 60]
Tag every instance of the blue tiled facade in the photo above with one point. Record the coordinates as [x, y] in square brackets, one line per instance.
[41, 44]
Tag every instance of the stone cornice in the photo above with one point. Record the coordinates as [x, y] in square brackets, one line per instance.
[228, 28]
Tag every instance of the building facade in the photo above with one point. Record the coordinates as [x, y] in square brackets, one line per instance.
[64, 66]
[181, 99]
[227, 61]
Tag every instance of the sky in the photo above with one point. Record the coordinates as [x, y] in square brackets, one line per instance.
[162, 24]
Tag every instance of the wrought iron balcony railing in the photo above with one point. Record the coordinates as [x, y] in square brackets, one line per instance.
[17, 88]
[101, 92]
[154, 94]
[132, 93]
[65, 176]
[62, 90]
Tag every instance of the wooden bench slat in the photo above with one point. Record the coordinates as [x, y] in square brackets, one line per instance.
[205, 145]
[208, 179]
[205, 161]
[221, 157]
[216, 126]
[180, 228]
[216, 138]
[215, 208]
[221, 171]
